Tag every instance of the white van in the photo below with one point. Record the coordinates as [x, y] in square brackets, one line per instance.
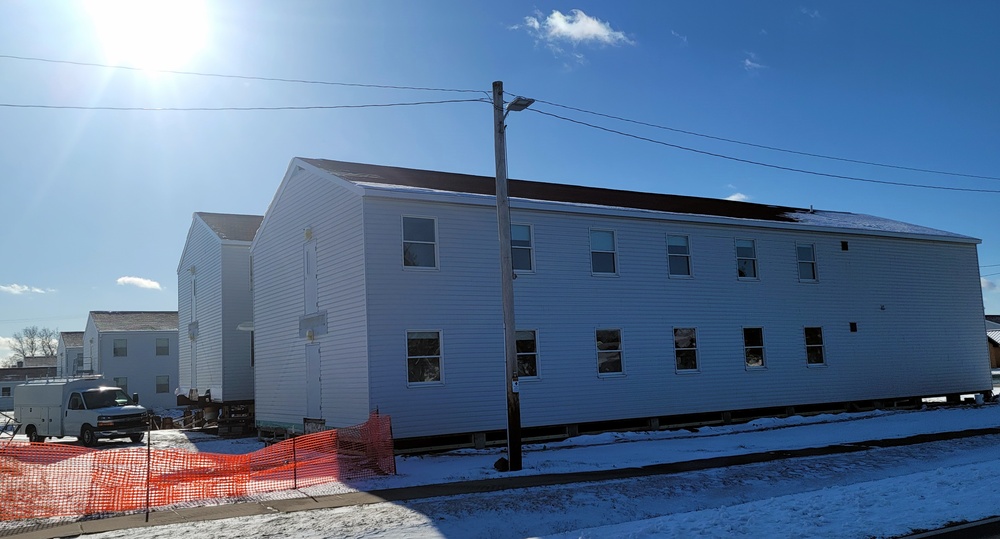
[87, 408]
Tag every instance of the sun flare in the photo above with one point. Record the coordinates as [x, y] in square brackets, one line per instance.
[150, 34]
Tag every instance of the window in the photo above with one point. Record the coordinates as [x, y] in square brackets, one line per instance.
[806, 253]
[5, 391]
[814, 346]
[609, 351]
[163, 383]
[520, 248]
[602, 252]
[753, 347]
[678, 256]
[120, 348]
[162, 346]
[527, 354]
[122, 382]
[686, 349]
[854, 327]
[79, 360]
[746, 259]
[419, 242]
[423, 357]
[75, 402]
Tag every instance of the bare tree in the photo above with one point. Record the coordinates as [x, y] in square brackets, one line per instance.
[34, 341]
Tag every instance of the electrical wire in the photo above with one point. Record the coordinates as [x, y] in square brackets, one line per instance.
[203, 109]
[765, 147]
[241, 77]
[762, 164]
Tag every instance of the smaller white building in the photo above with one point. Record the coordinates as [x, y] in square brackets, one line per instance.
[69, 353]
[215, 308]
[137, 351]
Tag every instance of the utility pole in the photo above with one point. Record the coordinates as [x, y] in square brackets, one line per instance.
[507, 282]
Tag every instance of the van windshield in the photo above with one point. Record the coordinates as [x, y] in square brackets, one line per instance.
[105, 397]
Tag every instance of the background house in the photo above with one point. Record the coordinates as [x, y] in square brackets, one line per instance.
[993, 340]
[136, 350]
[213, 300]
[69, 353]
[378, 288]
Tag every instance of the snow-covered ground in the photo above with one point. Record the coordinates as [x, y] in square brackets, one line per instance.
[874, 493]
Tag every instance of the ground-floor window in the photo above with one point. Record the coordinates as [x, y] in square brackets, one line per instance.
[423, 357]
[609, 351]
[753, 347]
[527, 354]
[686, 349]
[814, 346]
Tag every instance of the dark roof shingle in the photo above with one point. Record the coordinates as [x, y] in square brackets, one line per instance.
[71, 339]
[135, 320]
[229, 226]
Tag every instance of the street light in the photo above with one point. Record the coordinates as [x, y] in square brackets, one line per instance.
[507, 273]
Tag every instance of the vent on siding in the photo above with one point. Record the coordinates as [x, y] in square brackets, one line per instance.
[843, 246]
[854, 327]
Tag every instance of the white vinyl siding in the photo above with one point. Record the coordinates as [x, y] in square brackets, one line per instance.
[565, 304]
[332, 209]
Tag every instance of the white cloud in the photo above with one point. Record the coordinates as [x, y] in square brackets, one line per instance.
[684, 39]
[6, 349]
[751, 62]
[811, 13]
[737, 197]
[576, 28]
[987, 284]
[21, 289]
[139, 282]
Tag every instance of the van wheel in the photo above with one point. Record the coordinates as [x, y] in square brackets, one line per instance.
[33, 436]
[87, 436]
[136, 438]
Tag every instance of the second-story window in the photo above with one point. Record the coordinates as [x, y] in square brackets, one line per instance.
[162, 346]
[120, 348]
[806, 254]
[521, 251]
[419, 242]
[678, 256]
[603, 252]
[746, 259]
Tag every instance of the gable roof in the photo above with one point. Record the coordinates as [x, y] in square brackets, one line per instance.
[380, 176]
[134, 320]
[229, 226]
[71, 339]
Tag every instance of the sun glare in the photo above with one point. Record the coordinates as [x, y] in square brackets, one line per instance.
[150, 34]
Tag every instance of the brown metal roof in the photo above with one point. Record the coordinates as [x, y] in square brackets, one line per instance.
[231, 226]
[135, 320]
[483, 185]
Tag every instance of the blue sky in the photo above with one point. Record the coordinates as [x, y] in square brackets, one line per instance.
[97, 203]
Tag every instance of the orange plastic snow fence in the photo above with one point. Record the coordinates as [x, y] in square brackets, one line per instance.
[52, 480]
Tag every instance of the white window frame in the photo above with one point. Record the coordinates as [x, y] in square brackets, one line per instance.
[156, 383]
[613, 251]
[686, 256]
[747, 348]
[821, 346]
[697, 360]
[530, 247]
[799, 262]
[440, 358]
[402, 229]
[156, 346]
[620, 350]
[114, 348]
[752, 259]
[520, 376]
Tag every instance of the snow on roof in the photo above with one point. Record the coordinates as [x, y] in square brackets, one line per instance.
[398, 178]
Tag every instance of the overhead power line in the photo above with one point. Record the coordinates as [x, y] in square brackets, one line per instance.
[772, 148]
[305, 107]
[760, 163]
[242, 77]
